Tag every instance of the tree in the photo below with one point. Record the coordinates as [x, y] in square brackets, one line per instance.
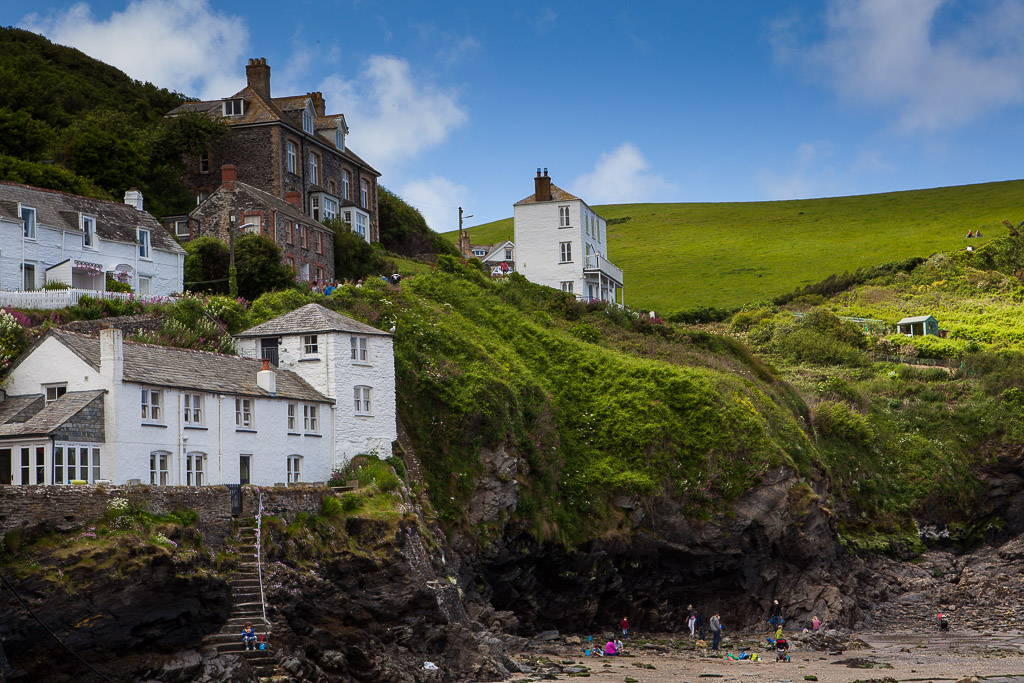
[354, 257]
[259, 267]
[22, 136]
[206, 265]
[403, 229]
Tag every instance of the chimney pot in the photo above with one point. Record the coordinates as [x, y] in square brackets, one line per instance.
[266, 363]
[538, 171]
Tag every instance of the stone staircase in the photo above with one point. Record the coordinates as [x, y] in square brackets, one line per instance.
[246, 607]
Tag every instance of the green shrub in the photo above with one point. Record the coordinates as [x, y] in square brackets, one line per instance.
[56, 286]
[838, 420]
[379, 473]
[398, 464]
[273, 304]
[350, 501]
[585, 332]
[330, 506]
[744, 320]
[698, 315]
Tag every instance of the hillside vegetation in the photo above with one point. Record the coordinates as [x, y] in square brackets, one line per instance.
[678, 256]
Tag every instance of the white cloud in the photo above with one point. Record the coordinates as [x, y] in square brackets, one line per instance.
[393, 116]
[939, 73]
[183, 45]
[806, 179]
[438, 200]
[545, 20]
[621, 176]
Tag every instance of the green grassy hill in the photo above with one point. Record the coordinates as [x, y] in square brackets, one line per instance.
[677, 256]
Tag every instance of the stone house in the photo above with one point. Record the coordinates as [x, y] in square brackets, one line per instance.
[286, 144]
[306, 244]
[499, 259]
[348, 361]
[562, 243]
[49, 236]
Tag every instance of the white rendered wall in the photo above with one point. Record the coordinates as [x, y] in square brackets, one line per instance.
[537, 238]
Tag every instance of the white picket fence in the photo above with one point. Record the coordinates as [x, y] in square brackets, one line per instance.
[48, 299]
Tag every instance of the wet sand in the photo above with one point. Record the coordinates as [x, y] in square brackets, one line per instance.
[912, 657]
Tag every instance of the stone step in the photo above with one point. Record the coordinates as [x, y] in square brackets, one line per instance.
[239, 647]
[227, 637]
[240, 622]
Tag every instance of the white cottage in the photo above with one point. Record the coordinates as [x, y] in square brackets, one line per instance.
[561, 242]
[344, 359]
[50, 236]
[92, 409]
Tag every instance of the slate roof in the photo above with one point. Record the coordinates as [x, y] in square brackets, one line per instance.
[557, 195]
[51, 417]
[310, 319]
[276, 203]
[11, 406]
[115, 221]
[167, 366]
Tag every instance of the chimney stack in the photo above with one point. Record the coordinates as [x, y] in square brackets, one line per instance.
[228, 176]
[133, 198]
[292, 197]
[111, 357]
[319, 104]
[266, 378]
[257, 73]
[542, 187]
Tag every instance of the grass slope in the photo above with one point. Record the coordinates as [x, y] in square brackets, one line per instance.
[677, 256]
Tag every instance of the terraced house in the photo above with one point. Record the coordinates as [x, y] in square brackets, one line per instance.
[287, 147]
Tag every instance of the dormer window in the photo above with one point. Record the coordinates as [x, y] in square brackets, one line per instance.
[339, 139]
[307, 122]
[89, 232]
[234, 107]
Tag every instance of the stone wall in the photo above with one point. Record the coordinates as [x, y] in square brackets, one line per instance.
[85, 426]
[39, 509]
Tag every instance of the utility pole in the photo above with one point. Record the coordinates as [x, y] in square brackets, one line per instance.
[462, 233]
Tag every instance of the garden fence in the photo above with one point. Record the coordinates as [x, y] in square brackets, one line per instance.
[911, 360]
[49, 299]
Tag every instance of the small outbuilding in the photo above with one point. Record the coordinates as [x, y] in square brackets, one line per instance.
[918, 326]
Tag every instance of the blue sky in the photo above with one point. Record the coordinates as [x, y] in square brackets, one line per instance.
[457, 104]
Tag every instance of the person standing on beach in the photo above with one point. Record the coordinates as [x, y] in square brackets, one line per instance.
[691, 619]
[716, 631]
[624, 625]
[775, 620]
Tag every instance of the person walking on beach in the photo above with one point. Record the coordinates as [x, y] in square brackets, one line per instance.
[691, 619]
[624, 625]
[815, 624]
[775, 620]
[716, 631]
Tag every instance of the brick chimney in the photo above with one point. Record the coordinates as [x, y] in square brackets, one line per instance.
[133, 198]
[228, 176]
[257, 73]
[542, 187]
[319, 104]
[293, 198]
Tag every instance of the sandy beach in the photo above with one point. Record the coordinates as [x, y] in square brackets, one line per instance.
[909, 657]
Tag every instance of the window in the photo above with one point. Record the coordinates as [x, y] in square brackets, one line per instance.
[291, 417]
[362, 400]
[364, 193]
[314, 204]
[243, 413]
[89, 232]
[309, 418]
[234, 107]
[333, 187]
[303, 238]
[29, 271]
[181, 228]
[508, 254]
[314, 169]
[253, 224]
[304, 271]
[145, 284]
[292, 157]
[26, 465]
[290, 234]
[339, 139]
[362, 224]
[310, 346]
[143, 237]
[563, 216]
[58, 464]
[83, 463]
[29, 217]
[307, 122]
[193, 410]
[158, 468]
[330, 208]
[41, 465]
[151, 405]
[359, 354]
[294, 468]
[348, 217]
[565, 249]
[194, 466]
[479, 252]
[201, 197]
[567, 286]
[204, 163]
[344, 184]
[55, 391]
[320, 273]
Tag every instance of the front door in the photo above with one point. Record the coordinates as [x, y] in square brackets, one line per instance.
[244, 469]
[6, 469]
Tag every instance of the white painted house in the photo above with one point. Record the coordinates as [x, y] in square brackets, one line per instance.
[86, 408]
[344, 359]
[50, 236]
[561, 242]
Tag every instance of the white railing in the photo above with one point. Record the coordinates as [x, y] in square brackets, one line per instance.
[598, 262]
[259, 562]
[49, 299]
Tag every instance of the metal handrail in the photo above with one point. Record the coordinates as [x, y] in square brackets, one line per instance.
[259, 560]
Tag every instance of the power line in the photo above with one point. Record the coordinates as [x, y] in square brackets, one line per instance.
[47, 628]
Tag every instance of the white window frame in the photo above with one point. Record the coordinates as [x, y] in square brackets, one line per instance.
[362, 396]
[508, 254]
[565, 252]
[310, 418]
[344, 184]
[362, 224]
[145, 284]
[143, 237]
[364, 193]
[178, 225]
[243, 413]
[360, 349]
[195, 468]
[339, 138]
[159, 469]
[152, 406]
[563, 217]
[88, 225]
[204, 162]
[292, 410]
[28, 226]
[314, 168]
[294, 468]
[75, 466]
[293, 156]
[54, 391]
[233, 104]
[307, 121]
[27, 285]
[567, 286]
[192, 409]
[330, 208]
[310, 346]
